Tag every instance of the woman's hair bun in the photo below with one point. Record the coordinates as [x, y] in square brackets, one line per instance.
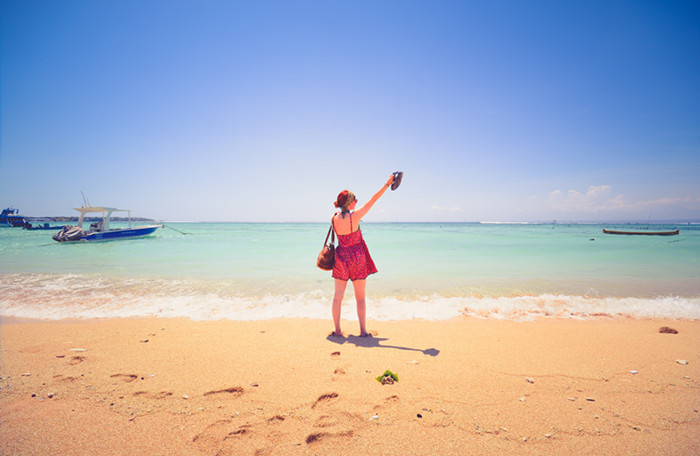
[342, 199]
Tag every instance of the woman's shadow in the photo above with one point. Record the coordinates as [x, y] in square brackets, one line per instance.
[375, 342]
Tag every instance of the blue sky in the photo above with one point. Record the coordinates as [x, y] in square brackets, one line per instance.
[265, 110]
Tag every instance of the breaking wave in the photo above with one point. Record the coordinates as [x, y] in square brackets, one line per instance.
[74, 296]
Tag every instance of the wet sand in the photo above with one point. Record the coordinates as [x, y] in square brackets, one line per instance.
[283, 387]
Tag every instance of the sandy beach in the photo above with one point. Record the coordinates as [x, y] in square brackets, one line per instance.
[283, 387]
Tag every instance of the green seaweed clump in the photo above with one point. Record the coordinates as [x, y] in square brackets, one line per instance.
[388, 377]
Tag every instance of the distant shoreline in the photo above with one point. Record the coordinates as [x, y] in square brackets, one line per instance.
[87, 219]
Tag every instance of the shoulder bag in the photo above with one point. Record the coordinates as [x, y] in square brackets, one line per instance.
[326, 259]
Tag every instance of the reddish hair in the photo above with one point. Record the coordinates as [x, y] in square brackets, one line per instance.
[345, 198]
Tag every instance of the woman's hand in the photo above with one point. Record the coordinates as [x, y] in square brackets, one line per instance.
[390, 181]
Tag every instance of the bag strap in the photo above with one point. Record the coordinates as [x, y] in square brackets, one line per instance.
[330, 230]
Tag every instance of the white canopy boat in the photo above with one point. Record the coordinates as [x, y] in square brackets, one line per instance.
[100, 230]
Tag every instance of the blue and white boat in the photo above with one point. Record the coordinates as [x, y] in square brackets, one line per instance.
[100, 230]
[11, 217]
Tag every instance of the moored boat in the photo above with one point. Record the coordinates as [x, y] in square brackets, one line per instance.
[45, 226]
[642, 232]
[10, 217]
[100, 230]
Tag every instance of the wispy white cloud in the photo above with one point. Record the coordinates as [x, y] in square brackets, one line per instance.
[689, 201]
[599, 198]
[446, 209]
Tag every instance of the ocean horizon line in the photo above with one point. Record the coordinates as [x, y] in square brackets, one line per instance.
[479, 222]
[553, 221]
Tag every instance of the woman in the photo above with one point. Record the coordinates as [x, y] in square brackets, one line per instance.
[352, 259]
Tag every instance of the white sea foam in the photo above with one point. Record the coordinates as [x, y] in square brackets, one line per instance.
[55, 297]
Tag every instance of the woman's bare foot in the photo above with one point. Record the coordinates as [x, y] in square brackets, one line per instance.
[369, 334]
[337, 334]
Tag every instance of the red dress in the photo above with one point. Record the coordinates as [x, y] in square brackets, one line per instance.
[352, 259]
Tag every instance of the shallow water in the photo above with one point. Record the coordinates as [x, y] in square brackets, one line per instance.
[426, 270]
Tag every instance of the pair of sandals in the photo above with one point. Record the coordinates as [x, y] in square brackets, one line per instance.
[398, 175]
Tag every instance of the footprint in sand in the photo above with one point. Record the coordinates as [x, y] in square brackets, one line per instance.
[244, 429]
[76, 360]
[324, 397]
[61, 378]
[337, 373]
[317, 437]
[158, 395]
[213, 434]
[219, 432]
[128, 378]
[235, 390]
[388, 402]
[326, 421]
[215, 428]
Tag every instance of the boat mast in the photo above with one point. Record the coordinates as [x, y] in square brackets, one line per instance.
[86, 203]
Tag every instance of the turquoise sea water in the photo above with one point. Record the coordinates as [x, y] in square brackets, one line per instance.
[247, 271]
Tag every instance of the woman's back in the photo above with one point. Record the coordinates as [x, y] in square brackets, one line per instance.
[345, 224]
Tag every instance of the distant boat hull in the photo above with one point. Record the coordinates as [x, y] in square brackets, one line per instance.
[643, 233]
[71, 234]
[127, 233]
[45, 226]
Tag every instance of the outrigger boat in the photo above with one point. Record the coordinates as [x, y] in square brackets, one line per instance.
[100, 230]
[45, 226]
[643, 232]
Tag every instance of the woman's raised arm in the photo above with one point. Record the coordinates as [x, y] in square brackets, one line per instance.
[364, 209]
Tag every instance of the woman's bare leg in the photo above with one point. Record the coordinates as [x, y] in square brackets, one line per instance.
[359, 286]
[337, 302]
